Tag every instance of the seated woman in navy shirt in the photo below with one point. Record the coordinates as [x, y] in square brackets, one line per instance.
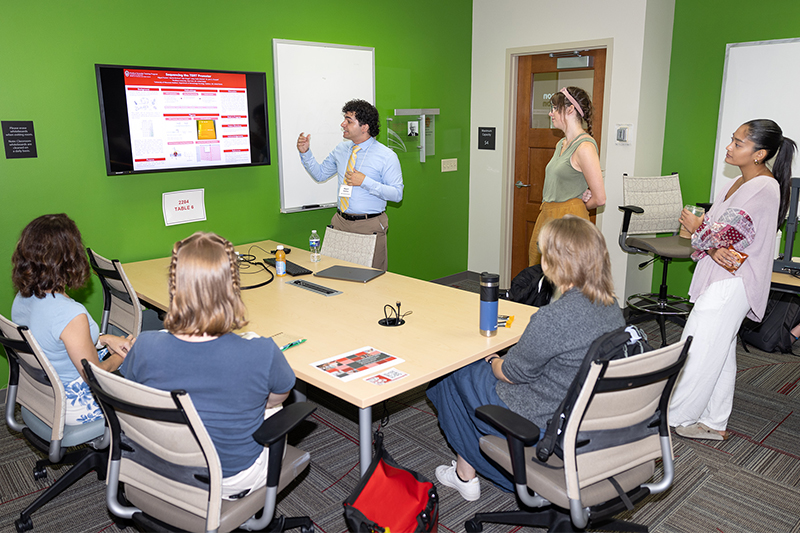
[234, 382]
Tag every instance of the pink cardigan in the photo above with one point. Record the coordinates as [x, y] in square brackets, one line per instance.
[757, 201]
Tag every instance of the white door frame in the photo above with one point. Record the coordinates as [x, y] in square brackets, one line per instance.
[510, 128]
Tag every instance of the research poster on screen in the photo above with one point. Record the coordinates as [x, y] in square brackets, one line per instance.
[187, 119]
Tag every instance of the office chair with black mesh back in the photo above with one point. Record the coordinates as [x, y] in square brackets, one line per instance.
[603, 460]
[34, 384]
[164, 472]
[653, 205]
[121, 307]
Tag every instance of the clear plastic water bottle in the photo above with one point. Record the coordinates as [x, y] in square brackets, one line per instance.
[313, 245]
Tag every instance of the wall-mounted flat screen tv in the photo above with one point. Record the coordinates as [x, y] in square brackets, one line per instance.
[162, 119]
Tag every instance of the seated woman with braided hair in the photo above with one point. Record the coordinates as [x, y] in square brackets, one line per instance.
[234, 382]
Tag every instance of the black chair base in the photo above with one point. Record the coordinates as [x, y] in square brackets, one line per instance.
[651, 306]
[84, 460]
[552, 519]
[555, 519]
[282, 523]
[278, 525]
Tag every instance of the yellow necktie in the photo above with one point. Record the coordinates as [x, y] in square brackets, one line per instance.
[344, 201]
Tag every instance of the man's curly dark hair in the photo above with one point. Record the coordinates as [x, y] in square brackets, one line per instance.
[365, 114]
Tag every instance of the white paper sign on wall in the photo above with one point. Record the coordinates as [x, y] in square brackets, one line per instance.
[182, 207]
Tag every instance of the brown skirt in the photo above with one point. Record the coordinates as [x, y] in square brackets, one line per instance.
[551, 211]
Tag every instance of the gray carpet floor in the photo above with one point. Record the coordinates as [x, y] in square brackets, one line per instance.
[749, 483]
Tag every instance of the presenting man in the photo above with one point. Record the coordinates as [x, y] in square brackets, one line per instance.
[369, 175]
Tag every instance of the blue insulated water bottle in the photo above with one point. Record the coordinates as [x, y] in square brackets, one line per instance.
[490, 289]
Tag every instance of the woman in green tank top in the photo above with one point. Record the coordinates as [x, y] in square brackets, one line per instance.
[573, 181]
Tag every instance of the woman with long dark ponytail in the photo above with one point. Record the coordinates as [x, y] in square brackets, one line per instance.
[734, 248]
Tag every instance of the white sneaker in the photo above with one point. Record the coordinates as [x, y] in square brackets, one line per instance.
[469, 490]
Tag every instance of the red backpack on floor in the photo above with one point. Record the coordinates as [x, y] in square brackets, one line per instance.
[391, 498]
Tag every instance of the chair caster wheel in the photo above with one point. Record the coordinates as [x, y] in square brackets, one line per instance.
[39, 473]
[121, 523]
[309, 529]
[562, 523]
[473, 526]
[23, 525]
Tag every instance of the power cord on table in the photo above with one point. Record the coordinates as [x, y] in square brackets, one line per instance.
[397, 320]
[246, 261]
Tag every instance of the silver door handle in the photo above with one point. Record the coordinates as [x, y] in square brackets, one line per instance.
[520, 185]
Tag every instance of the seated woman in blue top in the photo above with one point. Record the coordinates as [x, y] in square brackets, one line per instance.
[234, 382]
[49, 259]
[533, 377]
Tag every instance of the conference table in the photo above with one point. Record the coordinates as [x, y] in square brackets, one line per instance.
[784, 282]
[440, 335]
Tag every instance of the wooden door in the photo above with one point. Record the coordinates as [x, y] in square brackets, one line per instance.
[537, 79]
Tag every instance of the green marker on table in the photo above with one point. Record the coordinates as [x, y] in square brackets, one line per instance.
[295, 343]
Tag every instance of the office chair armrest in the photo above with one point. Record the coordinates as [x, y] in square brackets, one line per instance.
[629, 210]
[271, 433]
[282, 422]
[520, 433]
[509, 423]
[626, 217]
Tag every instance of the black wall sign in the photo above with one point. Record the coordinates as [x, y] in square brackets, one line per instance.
[19, 139]
[486, 138]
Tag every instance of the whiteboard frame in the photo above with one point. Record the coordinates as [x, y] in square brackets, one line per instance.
[774, 102]
[310, 75]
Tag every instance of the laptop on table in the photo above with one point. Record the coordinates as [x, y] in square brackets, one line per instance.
[347, 273]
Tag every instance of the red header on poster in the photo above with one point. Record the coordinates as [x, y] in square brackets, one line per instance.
[178, 78]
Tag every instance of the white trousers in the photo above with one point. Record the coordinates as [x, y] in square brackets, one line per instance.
[253, 477]
[704, 391]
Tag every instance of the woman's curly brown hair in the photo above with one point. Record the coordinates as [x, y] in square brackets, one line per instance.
[49, 257]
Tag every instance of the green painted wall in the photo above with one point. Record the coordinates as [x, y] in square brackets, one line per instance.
[700, 34]
[422, 58]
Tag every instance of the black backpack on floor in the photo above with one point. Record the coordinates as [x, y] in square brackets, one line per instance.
[773, 332]
[530, 287]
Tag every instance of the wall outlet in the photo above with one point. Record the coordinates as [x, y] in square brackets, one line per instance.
[449, 165]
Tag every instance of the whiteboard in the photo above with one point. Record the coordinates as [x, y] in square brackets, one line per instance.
[312, 83]
[760, 81]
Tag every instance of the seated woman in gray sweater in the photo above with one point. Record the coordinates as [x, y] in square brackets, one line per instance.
[533, 377]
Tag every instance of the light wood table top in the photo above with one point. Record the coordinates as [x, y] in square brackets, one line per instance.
[785, 282]
[440, 336]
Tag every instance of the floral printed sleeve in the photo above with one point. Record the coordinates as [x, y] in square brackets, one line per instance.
[734, 228]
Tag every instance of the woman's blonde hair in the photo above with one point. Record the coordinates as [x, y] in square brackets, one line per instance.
[574, 254]
[204, 288]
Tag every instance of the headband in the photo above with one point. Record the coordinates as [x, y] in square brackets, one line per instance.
[572, 100]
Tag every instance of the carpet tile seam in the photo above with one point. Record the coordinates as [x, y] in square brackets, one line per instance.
[335, 428]
[340, 478]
